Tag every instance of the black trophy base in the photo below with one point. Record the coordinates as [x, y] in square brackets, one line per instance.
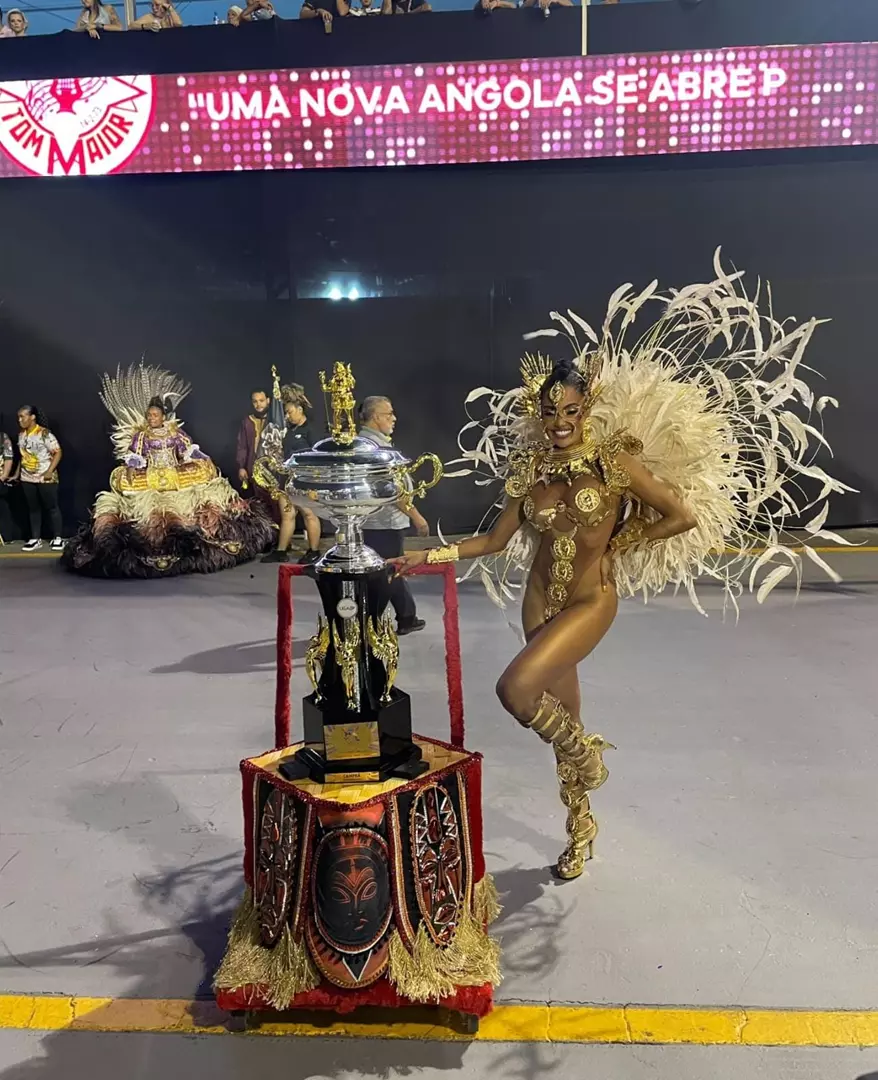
[403, 763]
[394, 719]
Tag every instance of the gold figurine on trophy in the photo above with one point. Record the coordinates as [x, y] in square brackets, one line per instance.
[315, 655]
[341, 395]
[385, 646]
[347, 655]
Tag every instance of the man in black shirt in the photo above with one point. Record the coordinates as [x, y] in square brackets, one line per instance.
[297, 437]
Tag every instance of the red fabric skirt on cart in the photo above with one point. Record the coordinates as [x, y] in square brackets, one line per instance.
[363, 894]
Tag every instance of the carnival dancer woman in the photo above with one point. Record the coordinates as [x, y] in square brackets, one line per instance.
[572, 493]
[629, 467]
[168, 510]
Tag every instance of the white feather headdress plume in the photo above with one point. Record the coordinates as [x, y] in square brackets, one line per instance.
[715, 391]
[127, 394]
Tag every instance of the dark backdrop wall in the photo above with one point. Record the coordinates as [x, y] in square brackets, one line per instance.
[219, 277]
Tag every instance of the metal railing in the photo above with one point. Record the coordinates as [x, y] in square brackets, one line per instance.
[50, 18]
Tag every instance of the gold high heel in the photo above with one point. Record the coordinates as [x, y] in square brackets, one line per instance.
[581, 825]
[580, 770]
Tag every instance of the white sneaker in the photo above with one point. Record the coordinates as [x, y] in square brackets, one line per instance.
[33, 545]
[58, 544]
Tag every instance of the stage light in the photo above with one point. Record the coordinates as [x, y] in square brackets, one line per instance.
[335, 293]
[354, 294]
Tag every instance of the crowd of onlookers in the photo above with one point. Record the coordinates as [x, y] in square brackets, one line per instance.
[29, 469]
[97, 17]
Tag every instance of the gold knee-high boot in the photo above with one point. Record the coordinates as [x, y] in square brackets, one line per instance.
[580, 770]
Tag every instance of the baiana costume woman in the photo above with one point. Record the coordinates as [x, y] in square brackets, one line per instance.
[168, 510]
[630, 466]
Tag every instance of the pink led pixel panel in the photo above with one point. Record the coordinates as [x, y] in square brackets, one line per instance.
[442, 114]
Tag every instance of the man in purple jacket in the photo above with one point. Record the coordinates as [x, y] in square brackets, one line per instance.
[249, 435]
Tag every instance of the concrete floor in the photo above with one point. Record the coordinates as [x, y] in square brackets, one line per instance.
[736, 865]
[70, 1056]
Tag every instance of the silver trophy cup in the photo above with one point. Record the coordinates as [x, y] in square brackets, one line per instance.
[346, 482]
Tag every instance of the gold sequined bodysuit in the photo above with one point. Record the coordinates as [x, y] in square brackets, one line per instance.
[591, 505]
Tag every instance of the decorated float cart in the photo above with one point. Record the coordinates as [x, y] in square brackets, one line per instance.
[365, 878]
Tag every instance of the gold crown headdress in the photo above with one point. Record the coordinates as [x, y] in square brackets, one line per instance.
[536, 368]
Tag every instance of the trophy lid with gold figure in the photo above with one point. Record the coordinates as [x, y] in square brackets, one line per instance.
[346, 478]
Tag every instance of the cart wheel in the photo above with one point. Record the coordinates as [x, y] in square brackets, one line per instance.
[469, 1023]
[237, 1021]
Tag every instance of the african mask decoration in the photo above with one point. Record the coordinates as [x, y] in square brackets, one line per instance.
[438, 863]
[348, 929]
[275, 865]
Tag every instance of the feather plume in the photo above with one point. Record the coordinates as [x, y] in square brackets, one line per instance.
[127, 394]
[715, 391]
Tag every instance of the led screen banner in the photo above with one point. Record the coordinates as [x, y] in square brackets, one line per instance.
[437, 114]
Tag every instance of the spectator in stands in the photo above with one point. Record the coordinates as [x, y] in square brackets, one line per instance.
[410, 7]
[4, 30]
[96, 16]
[487, 6]
[16, 22]
[233, 15]
[544, 5]
[325, 10]
[366, 7]
[256, 11]
[161, 16]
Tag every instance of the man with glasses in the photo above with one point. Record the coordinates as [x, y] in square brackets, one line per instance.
[384, 531]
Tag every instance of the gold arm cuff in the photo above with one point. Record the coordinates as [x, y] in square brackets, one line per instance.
[631, 535]
[451, 553]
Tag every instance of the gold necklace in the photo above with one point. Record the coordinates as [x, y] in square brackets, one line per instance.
[567, 464]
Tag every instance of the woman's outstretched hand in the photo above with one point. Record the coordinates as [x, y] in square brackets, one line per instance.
[408, 562]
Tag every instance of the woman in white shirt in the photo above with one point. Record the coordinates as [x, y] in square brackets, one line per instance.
[96, 16]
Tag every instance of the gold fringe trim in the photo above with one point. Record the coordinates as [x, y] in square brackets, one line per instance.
[281, 972]
[429, 973]
[486, 902]
[425, 974]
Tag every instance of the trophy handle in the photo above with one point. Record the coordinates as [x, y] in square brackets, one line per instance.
[264, 477]
[421, 487]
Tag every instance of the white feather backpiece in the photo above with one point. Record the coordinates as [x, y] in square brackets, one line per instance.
[127, 394]
[715, 390]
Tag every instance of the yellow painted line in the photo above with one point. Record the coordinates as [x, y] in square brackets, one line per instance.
[30, 554]
[607, 1024]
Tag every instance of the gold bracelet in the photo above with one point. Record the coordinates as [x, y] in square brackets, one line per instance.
[629, 536]
[451, 553]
